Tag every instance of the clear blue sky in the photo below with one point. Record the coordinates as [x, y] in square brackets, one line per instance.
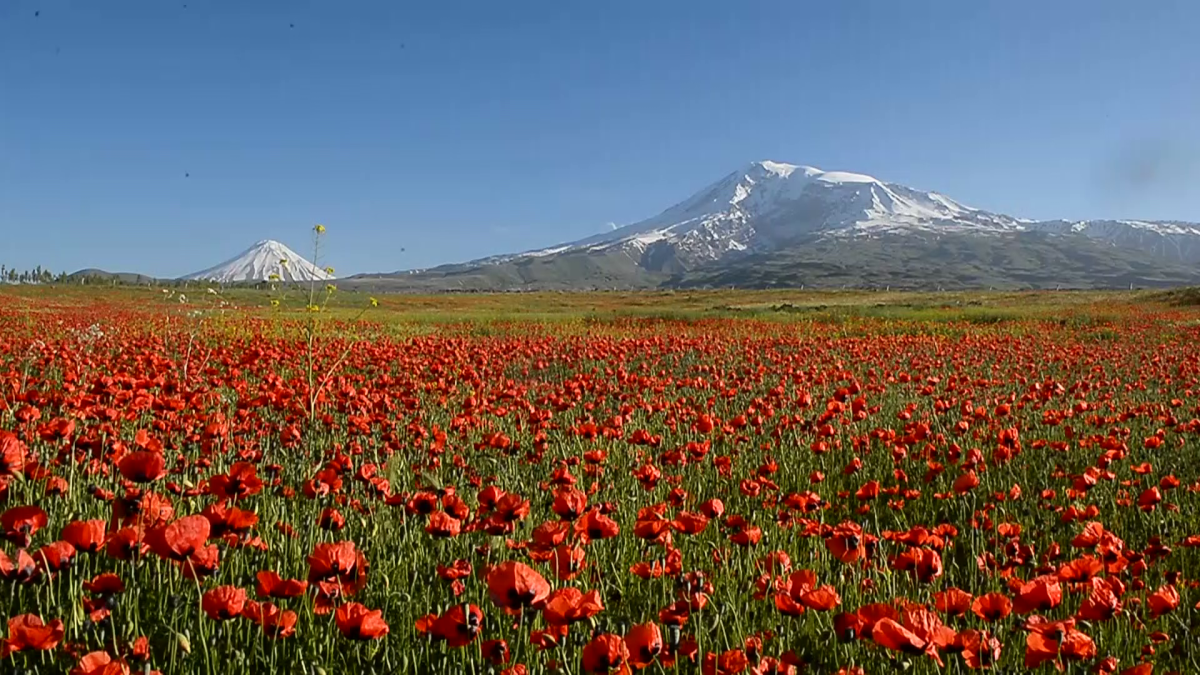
[458, 129]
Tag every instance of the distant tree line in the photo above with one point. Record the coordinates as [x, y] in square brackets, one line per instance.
[36, 275]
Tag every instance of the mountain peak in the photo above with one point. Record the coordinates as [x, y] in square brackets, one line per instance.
[782, 169]
[266, 260]
[785, 170]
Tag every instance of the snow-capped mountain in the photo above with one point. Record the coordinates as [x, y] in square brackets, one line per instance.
[1170, 240]
[771, 224]
[265, 261]
[768, 205]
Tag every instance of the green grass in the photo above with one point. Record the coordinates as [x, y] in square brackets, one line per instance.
[979, 307]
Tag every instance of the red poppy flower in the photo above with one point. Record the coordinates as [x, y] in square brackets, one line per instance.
[775, 562]
[1077, 646]
[929, 627]
[456, 506]
[513, 585]
[326, 482]
[100, 663]
[28, 631]
[201, 563]
[442, 525]
[457, 570]
[992, 607]
[359, 623]
[180, 539]
[773, 666]
[459, 625]
[143, 466]
[1149, 499]
[126, 543]
[966, 482]
[20, 523]
[606, 654]
[86, 536]
[240, 482]
[848, 543]
[549, 637]
[952, 601]
[275, 623]
[1101, 603]
[1162, 601]
[675, 614]
[891, 635]
[568, 562]
[596, 525]
[569, 605]
[644, 643]
[872, 614]
[331, 520]
[713, 508]
[979, 649]
[821, 599]
[550, 534]
[748, 536]
[495, 651]
[511, 507]
[147, 509]
[847, 626]
[1041, 594]
[224, 519]
[54, 557]
[923, 563]
[340, 560]
[223, 602]
[12, 454]
[271, 585]
[1048, 640]
[1090, 536]
[104, 584]
[652, 526]
[727, 663]
[569, 503]
[1080, 569]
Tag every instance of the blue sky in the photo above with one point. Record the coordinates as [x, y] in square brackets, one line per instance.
[150, 136]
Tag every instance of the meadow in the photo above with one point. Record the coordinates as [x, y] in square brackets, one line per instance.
[711, 482]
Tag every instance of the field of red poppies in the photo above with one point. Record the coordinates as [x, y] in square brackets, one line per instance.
[236, 491]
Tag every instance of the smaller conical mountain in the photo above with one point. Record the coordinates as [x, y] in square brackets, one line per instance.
[265, 261]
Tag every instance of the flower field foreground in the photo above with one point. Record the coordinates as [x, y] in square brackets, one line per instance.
[713, 497]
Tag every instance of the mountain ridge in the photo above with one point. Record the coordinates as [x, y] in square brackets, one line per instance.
[769, 208]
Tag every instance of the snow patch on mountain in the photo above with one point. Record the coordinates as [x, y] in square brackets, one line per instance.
[264, 261]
